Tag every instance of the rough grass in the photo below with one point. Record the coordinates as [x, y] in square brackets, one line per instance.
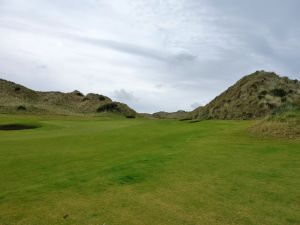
[79, 170]
[254, 96]
[283, 124]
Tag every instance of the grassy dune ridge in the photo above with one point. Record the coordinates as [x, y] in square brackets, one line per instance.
[82, 170]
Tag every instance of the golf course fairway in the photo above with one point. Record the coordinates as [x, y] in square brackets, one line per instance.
[115, 171]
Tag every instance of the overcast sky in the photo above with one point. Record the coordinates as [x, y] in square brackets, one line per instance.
[151, 54]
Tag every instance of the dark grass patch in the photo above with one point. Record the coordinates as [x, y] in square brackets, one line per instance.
[109, 107]
[66, 216]
[21, 108]
[78, 93]
[129, 179]
[17, 126]
[101, 97]
[136, 171]
[17, 89]
[278, 92]
[185, 119]
[195, 121]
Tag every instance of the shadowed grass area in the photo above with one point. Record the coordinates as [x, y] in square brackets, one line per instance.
[16, 126]
[81, 170]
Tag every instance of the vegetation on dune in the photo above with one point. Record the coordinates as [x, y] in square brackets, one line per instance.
[117, 107]
[254, 96]
[171, 115]
[284, 122]
[15, 98]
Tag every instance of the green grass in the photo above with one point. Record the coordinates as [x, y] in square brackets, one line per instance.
[114, 171]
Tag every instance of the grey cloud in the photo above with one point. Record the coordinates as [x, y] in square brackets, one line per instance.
[159, 86]
[183, 57]
[119, 46]
[164, 52]
[41, 66]
[137, 50]
[122, 47]
[124, 96]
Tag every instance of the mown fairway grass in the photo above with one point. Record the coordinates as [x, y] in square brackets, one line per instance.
[117, 171]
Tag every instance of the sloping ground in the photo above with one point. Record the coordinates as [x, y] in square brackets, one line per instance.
[17, 98]
[283, 124]
[254, 96]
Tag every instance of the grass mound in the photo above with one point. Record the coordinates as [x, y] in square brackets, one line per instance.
[285, 122]
[117, 107]
[16, 99]
[254, 96]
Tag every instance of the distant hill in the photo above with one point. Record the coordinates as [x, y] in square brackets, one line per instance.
[254, 96]
[171, 115]
[16, 98]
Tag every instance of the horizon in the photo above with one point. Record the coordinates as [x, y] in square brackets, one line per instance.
[85, 93]
[152, 55]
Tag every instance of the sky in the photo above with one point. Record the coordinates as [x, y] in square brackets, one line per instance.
[154, 55]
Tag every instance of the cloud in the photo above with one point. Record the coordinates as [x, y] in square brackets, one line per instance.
[124, 96]
[159, 86]
[132, 49]
[157, 55]
[124, 47]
